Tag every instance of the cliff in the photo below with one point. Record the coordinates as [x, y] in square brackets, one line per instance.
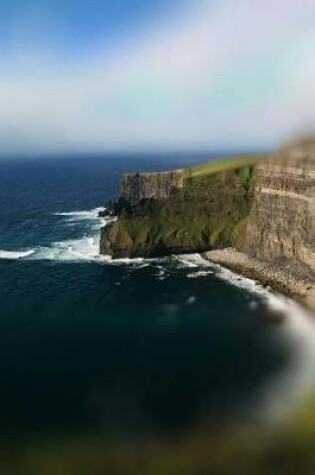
[277, 241]
[262, 210]
[192, 211]
[141, 186]
[282, 219]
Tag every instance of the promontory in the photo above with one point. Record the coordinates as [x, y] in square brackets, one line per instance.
[252, 214]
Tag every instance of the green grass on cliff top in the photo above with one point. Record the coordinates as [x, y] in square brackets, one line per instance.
[223, 165]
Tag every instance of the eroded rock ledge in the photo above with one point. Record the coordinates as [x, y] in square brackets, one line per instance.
[283, 275]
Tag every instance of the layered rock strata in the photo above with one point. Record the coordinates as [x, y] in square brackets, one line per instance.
[282, 218]
[139, 186]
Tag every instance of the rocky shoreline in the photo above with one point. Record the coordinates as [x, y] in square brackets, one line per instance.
[296, 283]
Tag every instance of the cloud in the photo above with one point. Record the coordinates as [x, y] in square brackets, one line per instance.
[222, 75]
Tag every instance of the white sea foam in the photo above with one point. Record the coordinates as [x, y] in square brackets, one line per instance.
[85, 248]
[189, 260]
[244, 283]
[80, 250]
[284, 392]
[201, 273]
[137, 262]
[207, 268]
[13, 255]
[83, 214]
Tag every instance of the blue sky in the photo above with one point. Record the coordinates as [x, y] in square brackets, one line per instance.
[128, 75]
[74, 26]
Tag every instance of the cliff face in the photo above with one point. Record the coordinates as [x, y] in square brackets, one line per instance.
[281, 223]
[265, 209]
[178, 212]
[140, 186]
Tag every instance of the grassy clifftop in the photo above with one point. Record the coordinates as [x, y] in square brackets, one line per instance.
[206, 212]
[223, 165]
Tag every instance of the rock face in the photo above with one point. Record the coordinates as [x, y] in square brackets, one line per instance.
[281, 223]
[177, 212]
[140, 186]
[264, 210]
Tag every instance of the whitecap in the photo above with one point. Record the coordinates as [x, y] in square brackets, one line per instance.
[85, 248]
[128, 261]
[244, 283]
[13, 255]
[81, 214]
[204, 268]
[189, 260]
[201, 273]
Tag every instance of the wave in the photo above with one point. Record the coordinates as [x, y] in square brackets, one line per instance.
[204, 268]
[201, 273]
[91, 215]
[14, 255]
[243, 283]
[189, 260]
[82, 214]
[80, 250]
[85, 248]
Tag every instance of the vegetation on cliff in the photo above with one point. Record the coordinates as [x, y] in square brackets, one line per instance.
[206, 212]
[223, 165]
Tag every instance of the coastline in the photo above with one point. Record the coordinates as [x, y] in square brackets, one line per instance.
[291, 284]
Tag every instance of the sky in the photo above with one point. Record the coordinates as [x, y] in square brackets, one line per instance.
[135, 75]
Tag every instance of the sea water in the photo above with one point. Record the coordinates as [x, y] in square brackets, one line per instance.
[139, 346]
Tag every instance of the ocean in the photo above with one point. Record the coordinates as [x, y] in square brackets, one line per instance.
[130, 348]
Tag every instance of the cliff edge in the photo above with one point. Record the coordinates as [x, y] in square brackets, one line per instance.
[255, 215]
[282, 218]
[183, 211]
[277, 242]
[136, 187]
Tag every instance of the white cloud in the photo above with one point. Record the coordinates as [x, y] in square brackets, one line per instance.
[228, 74]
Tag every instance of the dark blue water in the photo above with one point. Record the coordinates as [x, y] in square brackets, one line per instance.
[128, 347]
